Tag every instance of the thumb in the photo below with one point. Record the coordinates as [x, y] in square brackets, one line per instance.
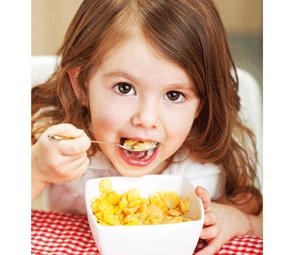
[204, 196]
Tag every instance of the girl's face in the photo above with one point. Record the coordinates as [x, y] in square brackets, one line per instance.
[138, 94]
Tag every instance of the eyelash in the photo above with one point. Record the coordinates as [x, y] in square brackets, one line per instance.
[118, 89]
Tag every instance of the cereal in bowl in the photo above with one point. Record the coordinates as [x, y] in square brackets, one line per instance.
[129, 208]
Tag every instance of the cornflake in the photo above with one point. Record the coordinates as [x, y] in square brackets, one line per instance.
[129, 208]
[138, 145]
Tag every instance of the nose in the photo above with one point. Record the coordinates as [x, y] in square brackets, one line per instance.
[146, 115]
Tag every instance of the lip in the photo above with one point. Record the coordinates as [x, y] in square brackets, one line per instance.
[139, 163]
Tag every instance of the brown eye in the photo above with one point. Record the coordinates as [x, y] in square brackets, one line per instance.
[175, 96]
[124, 88]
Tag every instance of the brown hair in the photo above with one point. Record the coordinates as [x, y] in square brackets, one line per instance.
[188, 32]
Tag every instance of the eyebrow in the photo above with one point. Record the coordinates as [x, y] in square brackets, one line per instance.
[120, 73]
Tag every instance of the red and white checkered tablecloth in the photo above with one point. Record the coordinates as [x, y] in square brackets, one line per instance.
[58, 234]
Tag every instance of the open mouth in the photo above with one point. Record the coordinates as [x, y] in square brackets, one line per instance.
[144, 154]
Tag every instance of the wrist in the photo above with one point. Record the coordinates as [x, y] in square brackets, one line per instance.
[37, 186]
[37, 183]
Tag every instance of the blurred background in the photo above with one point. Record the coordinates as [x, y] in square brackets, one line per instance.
[242, 20]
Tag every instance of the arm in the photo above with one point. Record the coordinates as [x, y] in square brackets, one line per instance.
[257, 224]
[255, 221]
[37, 185]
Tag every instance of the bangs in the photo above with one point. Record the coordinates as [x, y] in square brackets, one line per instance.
[175, 28]
[124, 25]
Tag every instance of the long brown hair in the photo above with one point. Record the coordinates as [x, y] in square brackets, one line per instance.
[188, 32]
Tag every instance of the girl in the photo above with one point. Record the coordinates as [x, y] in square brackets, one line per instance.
[148, 71]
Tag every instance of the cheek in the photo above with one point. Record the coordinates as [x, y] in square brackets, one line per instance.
[180, 122]
[104, 114]
[107, 116]
[178, 126]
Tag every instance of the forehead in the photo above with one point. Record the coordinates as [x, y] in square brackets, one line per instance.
[138, 57]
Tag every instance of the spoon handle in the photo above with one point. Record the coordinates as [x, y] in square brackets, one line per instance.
[62, 137]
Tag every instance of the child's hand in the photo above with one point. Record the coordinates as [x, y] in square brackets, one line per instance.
[59, 161]
[209, 215]
[221, 223]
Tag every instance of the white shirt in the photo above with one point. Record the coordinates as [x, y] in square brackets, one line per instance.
[69, 197]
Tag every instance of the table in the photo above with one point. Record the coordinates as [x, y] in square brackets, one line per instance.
[58, 233]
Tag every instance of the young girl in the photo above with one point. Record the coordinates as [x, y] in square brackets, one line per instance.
[149, 72]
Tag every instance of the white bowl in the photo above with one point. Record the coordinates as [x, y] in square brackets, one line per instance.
[162, 239]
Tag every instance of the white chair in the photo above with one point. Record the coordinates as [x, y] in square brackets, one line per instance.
[41, 68]
[251, 111]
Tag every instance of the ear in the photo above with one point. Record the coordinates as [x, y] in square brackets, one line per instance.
[78, 91]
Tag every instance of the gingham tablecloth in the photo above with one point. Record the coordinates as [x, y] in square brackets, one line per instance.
[58, 233]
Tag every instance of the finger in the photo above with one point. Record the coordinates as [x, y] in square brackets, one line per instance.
[210, 218]
[75, 157]
[81, 168]
[213, 247]
[203, 194]
[75, 146]
[65, 129]
[210, 232]
[73, 170]
[77, 164]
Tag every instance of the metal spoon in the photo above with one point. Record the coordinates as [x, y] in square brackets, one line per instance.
[62, 137]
